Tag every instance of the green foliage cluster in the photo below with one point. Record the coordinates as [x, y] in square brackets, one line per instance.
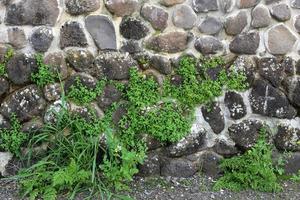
[252, 170]
[9, 54]
[44, 75]
[13, 138]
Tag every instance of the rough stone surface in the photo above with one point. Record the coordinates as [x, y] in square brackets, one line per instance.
[214, 116]
[52, 92]
[246, 43]
[286, 138]
[41, 39]
[269, 101]
[281, 12]
[133, 28]
[5, 158]
[115, 65]
[209, 164]
[245, 133]
[76, 7]
[171, 42]
[208, 45]
[226, 5]
[223, 148]
[271, 70]
[235, 105]
[151, 166]
[17, 37]
[235, 24]
[122, 8]
[161, 64]
[211, 26]
[102, 31]
[292, 165]
[131, 46]
[280, 39]
[294, 90]
[33, 126]
[26, 103]
[184, 17]
[57, 64]
[157, 16]
[178, 168]
[109, 96]
[20, 67]
[260, 17]
[247, 3]
[297, 23]
[247, 64]
[171, 2]
[205, 5]
[272, 1]
[85, 79]
[4, 86]
[72, 35]
[32, 12]
[295, 4]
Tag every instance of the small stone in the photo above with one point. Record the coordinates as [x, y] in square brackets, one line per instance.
[26, 103]
[131, 46]
[280, 39]
[20, 67]
[4, 86]
[17, 37]
[235, 105]
[170, 2]
[5, 158]
[52, 92]
[133, 28]
[171, 42]
[214, 116]
[247, 3]
[122, 8]
[32, 12]
[208, 45]
[245, 134]
[72, 35]
[114, 65]
[269, 101]
[260, 17]
[210, 164]
[109, 96]
[57, 64]
[271, 69]
[102, 31]
[295, 4]
[297, 23]
[205, 5]
[286, 138]
[184, 17]
[226, 5]
[75, 7]
[157, 16]
[178, 168]
[223, 148]
[281, 12]
[211, 26]
[235, 24]
[246, 43]
[41, 39]
[161, 64]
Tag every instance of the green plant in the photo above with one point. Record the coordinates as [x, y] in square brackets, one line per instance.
[252, 170]
[13, 138]
[9, 54]
[44, 75]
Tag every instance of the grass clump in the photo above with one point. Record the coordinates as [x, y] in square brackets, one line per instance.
[252, 170]
[13, 138]
[9, 54]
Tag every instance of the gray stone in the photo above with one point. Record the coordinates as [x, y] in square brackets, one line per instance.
[75, 7]
[4, 123]
[260, 17]
[208, 45]
[17, 37]
[72, 35]
[211, 26]
[133, 28]
[161, 64]
[4, 86]
[178, 168]
[247, 3]
[131, 46]
[280, 39]
[115, 65]
[293, 89]
[246, 64]
[205, 5]
[292, 164]
[32, 12]
[20, 67]
[281, 12]
[246, 43]
[109, 96]
[102, 31]
[151, 165]
[269, 101]
[210, 164]
[171, 42]
[4, 48]
[122, 8]
[286, 138]
[272, 1]
[81, 60]
[57, 64]
[223, 148]
[85, 79]
[52, 92]
[295, 4]
[184, 17]
[157, 16]
[170, 2]
[5, 158]
[235, 104]
[213, 115]
[53, 109]
[297, 23]
[41, 39]
[236, 23]
[33, 126]
[245, 134]
[226, 5]
[288, 64]
[26, 103]
[271, 70]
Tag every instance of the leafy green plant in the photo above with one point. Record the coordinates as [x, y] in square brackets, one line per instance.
[252, 170]
[13, 138]
[44, 75]
[9, 54]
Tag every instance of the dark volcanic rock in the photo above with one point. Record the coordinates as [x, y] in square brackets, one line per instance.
[178, 168]
[133, 28]
[209, 164]
[208, 45]
[85, 79]
[4, 86]
[72, 35]
[223, 148]
[246, 43]
[235, 105]
[41, 39]
[214, 116]
[272, 70]
[109, 96]
[287, 138]
[151, 165]
[76, 7]
[161, 64]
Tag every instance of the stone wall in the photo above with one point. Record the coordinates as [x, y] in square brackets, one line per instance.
[96, 38]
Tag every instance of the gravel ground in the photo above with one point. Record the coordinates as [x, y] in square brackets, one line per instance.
[194, 188]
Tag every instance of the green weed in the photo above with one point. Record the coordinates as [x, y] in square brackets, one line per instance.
[9, 54]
